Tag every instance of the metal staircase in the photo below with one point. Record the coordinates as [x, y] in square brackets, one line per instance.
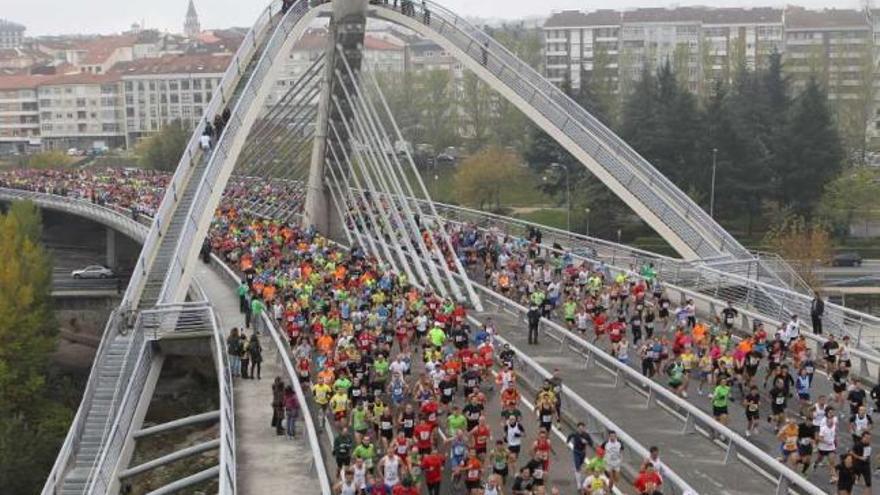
[146, 286]
[97, 419]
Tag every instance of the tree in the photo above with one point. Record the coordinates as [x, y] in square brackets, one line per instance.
[812, 152]
[48, 159]
[800, 243]
[437, 111]
[481, 176]
[163, 150]
[852, 198]
[31, 425]
[475, 109]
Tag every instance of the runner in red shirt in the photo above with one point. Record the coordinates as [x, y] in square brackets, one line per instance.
[473, 471]
[648, 482]
[481, 436]
[424, 433]
[432, 467]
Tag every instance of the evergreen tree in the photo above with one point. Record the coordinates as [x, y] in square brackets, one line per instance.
[812, 151]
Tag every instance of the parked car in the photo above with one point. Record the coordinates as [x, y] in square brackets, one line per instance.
[93, 271]
[846, 259]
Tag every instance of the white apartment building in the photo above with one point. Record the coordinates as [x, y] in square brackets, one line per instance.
[159, 90]
[701, 43]
[11, 34]
[81, 111]
[19, 114]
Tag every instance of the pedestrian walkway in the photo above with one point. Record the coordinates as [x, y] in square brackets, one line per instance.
[265, 463]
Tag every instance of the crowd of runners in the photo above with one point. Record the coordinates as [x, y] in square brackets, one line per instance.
[404, 376]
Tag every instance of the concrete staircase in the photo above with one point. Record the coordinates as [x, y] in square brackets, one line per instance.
[98, 418]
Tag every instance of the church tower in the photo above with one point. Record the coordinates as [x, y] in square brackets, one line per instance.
[191, 26]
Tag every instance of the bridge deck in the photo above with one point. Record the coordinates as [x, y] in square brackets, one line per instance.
[266, 463]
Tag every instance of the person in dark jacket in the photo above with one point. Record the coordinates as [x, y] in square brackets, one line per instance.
[255, 349]
[817, 310]
[534, 317]
[278, 406]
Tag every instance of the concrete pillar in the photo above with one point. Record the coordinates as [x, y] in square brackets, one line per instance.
[346, 29]
[112, 259]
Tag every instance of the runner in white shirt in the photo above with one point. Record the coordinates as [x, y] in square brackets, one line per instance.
[596, 484]
[390, 466]
[827, 446]
[613, 456]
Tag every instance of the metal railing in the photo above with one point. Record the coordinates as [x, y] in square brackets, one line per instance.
[320, 454]
[72, 441]
[192, 153]
[228, 485]
[694, 418]
[658, 195]
[186, 241]
[101, 214]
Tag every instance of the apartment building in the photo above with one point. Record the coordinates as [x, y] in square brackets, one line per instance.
[19, 114]
[11, 34]
[380, 55]
[159, 90]
[701, 43]
[81, 111]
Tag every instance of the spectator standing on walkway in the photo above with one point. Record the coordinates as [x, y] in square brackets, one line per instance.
[255, 349]
[291, 410]
[205, 142]
[233, 349]
[242, 291]
[817, 310]
[278, 406]
[256, 314]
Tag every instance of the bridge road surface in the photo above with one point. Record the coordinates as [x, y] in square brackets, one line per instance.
[693, 456]
[265, 463]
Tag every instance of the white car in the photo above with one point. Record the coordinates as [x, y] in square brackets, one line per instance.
[93, 271]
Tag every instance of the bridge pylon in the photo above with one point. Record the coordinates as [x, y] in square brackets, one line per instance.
[346, 33]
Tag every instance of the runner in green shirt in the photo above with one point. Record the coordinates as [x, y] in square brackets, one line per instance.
[360, 419]
[720, 396]
[437, 336]
[456, 421]
[366, 451]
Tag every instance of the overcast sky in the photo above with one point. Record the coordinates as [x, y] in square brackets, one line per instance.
[108, 16]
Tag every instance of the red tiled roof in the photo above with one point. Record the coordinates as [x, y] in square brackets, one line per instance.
[31, 81]
[99, 49]
[175, 64]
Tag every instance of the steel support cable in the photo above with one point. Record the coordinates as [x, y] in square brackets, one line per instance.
[280, 113]
[378, 178]
[270, 134]
[268, 158]
[363, 160]
[263, 176]
[475, 300]
[363, 224]
[344, 208]
[408, 218]
[394, 168]
[265, 172]
[373, 223]
[290, 94]
[269, 141]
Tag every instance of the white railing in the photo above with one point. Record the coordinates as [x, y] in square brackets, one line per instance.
[694, 418]
[74, 434]
[320, 461]
[208, 182]
[228, 485]
[192, 154]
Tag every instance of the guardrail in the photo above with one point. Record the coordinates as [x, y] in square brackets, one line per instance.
[228, 482]
[192, 152]
[206, 192]
[74, 434]
[694, 419]
[281, 346]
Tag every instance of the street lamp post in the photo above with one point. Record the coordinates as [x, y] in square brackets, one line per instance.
[567, 195]
[587, 211]
[712, 190]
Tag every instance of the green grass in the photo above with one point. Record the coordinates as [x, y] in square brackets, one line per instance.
[551, 217]
[523, 194]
